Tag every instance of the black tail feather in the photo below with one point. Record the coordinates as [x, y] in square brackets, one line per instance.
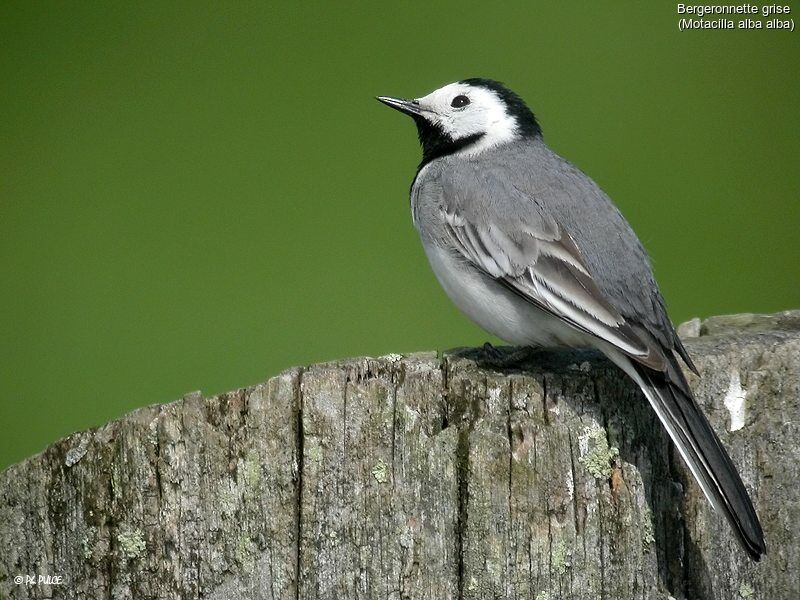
[704, 454]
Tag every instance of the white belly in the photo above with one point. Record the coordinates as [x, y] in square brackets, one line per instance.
[498, 310]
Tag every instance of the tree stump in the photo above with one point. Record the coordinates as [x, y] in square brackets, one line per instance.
[421, 477]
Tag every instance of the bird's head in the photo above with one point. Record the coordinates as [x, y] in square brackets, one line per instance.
[468, 116]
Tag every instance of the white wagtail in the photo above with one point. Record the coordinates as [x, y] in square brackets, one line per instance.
[533, 251]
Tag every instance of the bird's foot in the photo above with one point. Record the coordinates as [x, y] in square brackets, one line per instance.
[504, 359]
[492, 352]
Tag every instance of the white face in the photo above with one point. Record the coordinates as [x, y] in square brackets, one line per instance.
[485, 113]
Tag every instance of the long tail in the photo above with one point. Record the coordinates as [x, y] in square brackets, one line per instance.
[701, 449]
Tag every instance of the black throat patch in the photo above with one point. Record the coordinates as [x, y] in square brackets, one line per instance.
[436, 143]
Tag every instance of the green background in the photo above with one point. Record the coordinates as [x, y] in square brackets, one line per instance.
[197, 196]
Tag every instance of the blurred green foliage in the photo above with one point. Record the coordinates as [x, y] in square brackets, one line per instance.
[198, 195]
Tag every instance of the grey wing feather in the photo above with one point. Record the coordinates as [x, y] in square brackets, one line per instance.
[537, 259]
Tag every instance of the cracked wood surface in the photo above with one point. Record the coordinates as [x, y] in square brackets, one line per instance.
[421, 477]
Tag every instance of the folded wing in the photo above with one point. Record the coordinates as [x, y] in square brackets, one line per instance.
[544, 266]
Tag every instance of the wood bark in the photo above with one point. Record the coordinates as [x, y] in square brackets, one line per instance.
[462, 476]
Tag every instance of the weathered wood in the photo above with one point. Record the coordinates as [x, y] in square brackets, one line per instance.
[379, 486]
[421, 477]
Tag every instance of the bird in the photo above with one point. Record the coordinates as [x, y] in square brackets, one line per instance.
[532, 250]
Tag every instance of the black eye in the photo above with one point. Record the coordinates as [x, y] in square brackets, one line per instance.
[459, 101]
